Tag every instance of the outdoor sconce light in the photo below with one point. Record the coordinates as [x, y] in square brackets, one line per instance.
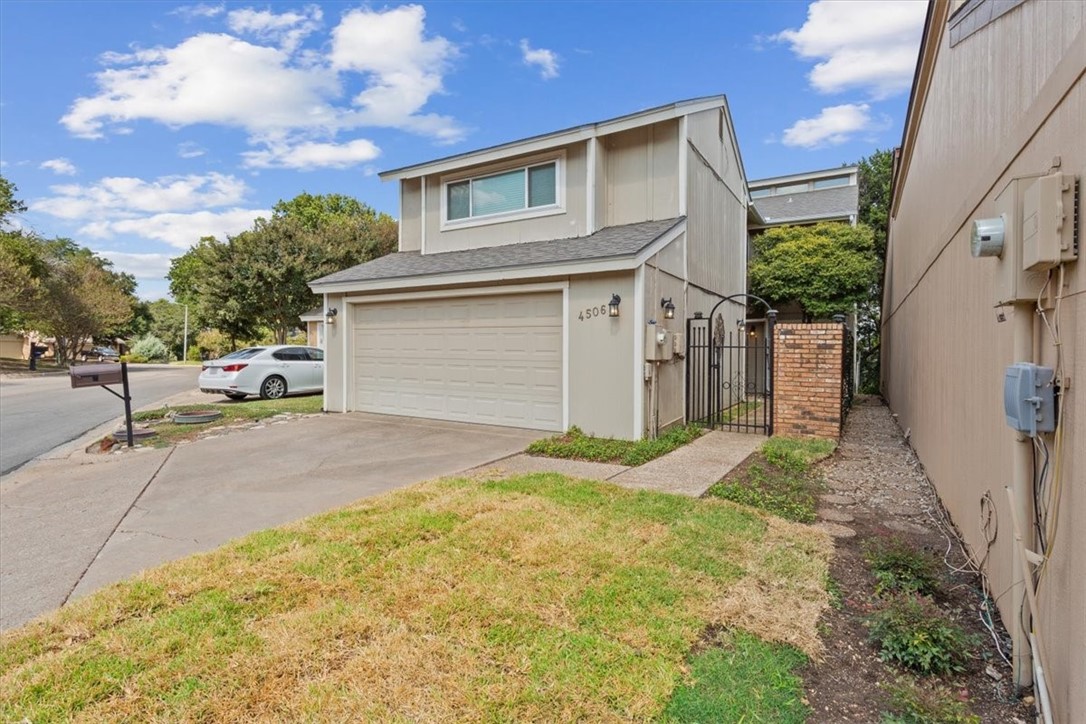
[612, 306]
[669, 308]
[330, 318]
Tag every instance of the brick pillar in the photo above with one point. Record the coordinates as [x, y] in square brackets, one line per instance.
[807, 361]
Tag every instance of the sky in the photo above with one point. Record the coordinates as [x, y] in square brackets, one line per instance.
[135, 128]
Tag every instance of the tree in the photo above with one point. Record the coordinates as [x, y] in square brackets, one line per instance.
[826, 268]
[876, 175]
[167, 323]
[9, 205]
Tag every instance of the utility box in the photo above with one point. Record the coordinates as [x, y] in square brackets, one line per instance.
[1013, 282]
[1048, 222]
[95, 375]
[1029, 399]
[659, 344]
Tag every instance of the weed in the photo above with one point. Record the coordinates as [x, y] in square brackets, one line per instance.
[927, 703]
[796, 454]
[912, 631]
[837, 596]
[901, 568]
[578, 446]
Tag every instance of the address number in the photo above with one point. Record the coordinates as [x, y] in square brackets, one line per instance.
[590, 312]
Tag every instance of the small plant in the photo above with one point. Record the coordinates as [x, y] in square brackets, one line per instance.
[929, 703]
[576, 445]
[901, 568]
[796, 454]
[151, 348]
[912, 631]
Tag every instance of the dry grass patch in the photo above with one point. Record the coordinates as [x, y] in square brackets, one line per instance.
[528, 598]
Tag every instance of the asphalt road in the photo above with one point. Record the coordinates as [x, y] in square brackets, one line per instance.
[39, 413]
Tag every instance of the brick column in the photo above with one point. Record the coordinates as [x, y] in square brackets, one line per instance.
[807, 379]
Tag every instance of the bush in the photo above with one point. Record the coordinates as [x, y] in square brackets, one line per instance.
[151, 348]
[927, 703]
[912, 631]
[212, 343]
[194, 355]
[898, 567]
[134, 358]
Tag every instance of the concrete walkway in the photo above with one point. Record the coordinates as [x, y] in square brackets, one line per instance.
[690, 470]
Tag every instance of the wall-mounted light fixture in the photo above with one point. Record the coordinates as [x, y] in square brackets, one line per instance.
[330, 317]
[669, 308]
[612, 306]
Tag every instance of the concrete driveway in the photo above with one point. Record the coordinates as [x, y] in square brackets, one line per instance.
[72, 525]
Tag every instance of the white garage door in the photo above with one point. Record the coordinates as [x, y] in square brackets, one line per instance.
[495, 360]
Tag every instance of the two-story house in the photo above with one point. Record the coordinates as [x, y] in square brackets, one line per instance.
[529, 273]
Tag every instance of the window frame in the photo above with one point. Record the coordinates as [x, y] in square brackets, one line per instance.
[529, 212]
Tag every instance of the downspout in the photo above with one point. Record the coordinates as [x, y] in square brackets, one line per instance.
[1022, 501]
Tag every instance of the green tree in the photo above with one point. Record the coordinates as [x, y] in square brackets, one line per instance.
[826, 268]
[167, 323]
[9, 205]
[876, 175]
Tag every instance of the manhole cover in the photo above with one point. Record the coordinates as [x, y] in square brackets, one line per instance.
[138, 433]
[196, 416]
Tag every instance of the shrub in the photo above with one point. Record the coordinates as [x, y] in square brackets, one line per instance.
[134, 358]
[913, 632]
[927, 703]
[898, 567]
[212, 343]
[151, 348]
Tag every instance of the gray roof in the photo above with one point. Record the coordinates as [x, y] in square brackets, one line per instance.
[833, 203]
[608, 243]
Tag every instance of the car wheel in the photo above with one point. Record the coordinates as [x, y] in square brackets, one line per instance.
[235, 395]
[273, 388]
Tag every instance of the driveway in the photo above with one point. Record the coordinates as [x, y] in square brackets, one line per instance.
[73, 525]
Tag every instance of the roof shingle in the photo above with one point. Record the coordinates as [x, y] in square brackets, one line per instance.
[842, 201]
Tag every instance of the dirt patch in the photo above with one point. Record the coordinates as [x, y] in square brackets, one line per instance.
[876, 478]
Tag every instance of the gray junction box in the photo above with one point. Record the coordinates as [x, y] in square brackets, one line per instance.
[1029, 398]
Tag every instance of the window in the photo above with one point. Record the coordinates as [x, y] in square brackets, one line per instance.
[792, 189]
[761, 193]
[531, 187]
[290, 355]
[829, 183]
[316, 355]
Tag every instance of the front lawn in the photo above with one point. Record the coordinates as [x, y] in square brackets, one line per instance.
[576, 445]
[233, 412]
[528, 598]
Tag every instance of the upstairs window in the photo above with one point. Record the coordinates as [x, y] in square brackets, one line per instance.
[523, 189]
[829, 183]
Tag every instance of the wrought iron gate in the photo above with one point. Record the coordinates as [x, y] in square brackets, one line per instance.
[729, 371]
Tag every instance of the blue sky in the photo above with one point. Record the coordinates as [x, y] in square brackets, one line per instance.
[134, 128]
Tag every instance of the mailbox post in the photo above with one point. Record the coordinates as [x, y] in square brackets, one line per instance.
[102, 375]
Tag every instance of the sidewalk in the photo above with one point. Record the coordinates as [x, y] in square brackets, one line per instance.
[690, 470]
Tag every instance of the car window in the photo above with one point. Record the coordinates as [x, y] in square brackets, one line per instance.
[290, 355]
[246, 353]
[317, 355]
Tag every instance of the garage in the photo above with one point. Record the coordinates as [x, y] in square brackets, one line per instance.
[493, 360]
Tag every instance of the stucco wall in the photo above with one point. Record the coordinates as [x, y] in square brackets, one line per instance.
[1005, 102]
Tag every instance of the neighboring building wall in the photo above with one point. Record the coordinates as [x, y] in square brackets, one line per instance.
[663, 278]
[571, 223]
[11, 346]
[410, 214]
[807, 361]
[1004, 102]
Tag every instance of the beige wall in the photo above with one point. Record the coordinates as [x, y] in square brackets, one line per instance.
[571, 223]
[670, 401]
[11, 346]
[410, 214]
[336, 355]
[1003, 103]
[641, 174]
[602, 386]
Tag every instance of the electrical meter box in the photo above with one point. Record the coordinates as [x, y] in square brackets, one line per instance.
[1048, 222]
[659, 344]
[1029, 399]
[1013, 282]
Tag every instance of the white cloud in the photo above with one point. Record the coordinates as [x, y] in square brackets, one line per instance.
[833, 126]
[59, 166]
[141, 266]
[190, 149]
[307, 156]
[547, 60]
[202, 10]
[178, 230]
[287, 29]
[128, 196]
[860, 45]
[403, 67]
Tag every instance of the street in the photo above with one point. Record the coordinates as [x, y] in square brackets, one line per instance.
[39, 413]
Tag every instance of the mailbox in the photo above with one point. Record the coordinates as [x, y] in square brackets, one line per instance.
[94, 375]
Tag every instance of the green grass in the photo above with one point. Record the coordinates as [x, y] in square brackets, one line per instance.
[232, 412]
[12, 364]
[576, 445]
[741, 679]
[528, 598]
[779, 479]
[926, 702]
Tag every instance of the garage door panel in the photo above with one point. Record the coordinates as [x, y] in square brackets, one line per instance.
[494, 360]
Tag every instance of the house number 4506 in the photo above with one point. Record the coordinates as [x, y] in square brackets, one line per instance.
[590, 312]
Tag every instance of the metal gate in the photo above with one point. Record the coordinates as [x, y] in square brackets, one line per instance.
[729, 371]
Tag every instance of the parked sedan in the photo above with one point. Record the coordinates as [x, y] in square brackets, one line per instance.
[271, 372]
[102, 354]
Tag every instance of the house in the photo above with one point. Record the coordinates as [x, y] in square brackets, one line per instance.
[543, 283]
[806, 198]
[314, 327]
[984, 271]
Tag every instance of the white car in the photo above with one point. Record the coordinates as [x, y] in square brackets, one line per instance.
[271, 372]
